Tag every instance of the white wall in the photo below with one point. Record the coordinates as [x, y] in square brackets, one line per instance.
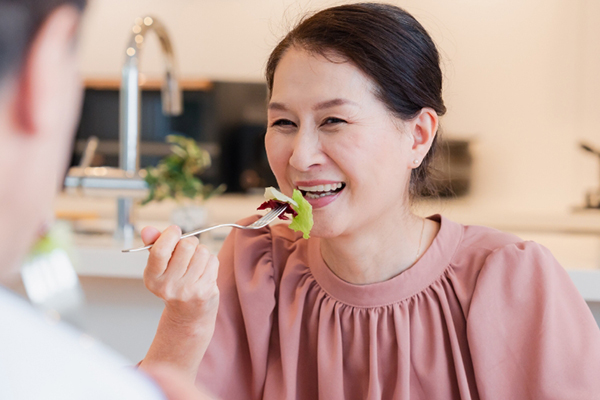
[521, 77]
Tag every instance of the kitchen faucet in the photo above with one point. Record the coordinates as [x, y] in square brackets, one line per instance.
[126, 183]
[130, 110]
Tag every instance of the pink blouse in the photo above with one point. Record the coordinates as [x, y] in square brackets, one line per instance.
[482, 315]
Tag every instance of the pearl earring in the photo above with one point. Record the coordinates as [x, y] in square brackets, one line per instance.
[416, 161]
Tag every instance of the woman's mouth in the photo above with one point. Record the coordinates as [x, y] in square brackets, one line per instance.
[318, 191]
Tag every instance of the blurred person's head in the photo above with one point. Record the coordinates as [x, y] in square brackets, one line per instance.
[40, 96]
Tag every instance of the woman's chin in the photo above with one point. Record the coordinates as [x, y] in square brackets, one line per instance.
[324, 230]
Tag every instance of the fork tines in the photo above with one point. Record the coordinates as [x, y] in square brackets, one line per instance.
[271, 215]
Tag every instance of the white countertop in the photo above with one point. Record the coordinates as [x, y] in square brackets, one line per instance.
[573, 238]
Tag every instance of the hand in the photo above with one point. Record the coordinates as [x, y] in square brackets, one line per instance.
[184, 274]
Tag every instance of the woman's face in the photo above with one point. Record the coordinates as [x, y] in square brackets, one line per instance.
[330, 137]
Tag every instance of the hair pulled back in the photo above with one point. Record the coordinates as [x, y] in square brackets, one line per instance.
[391, 47]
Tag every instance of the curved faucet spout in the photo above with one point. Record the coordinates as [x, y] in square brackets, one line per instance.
[130, 109]
[171, 95]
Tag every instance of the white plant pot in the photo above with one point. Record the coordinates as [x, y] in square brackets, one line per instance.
[189, 217]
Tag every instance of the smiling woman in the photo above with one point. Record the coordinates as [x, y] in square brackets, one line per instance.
[404, 65]
[379, 303]
[326, 129]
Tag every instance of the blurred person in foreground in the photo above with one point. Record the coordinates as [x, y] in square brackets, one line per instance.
[379, 303]
[40, 96]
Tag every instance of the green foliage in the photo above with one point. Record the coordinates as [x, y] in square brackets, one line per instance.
[176, 176]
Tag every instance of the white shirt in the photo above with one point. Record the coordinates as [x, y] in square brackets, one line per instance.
[42, 359]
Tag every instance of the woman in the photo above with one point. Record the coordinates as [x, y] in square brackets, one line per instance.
[379, 303]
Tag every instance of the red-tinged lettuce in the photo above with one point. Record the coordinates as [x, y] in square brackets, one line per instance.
[273, 204]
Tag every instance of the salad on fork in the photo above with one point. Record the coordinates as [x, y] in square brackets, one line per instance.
[297, 206]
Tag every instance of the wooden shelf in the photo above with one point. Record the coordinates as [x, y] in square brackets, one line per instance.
[196, 84]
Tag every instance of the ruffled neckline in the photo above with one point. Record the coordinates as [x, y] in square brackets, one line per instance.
[427, 270]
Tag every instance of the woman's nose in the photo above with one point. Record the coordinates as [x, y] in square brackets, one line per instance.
[307, 151]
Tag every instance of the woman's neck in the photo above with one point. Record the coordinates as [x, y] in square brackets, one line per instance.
[379, 252]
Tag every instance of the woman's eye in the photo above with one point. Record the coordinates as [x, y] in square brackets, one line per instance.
[333, 120]
[283, 122]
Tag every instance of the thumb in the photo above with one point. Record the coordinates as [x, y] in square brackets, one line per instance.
[149, 235]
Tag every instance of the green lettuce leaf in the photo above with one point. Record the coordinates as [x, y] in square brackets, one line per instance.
[303, 222]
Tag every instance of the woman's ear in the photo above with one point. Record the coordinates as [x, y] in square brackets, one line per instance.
[48, 83]
[423, 129]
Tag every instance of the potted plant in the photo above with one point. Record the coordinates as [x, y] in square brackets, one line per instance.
[177, 177]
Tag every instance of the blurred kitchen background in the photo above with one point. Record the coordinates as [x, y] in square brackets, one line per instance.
[522, 78]
[522, 87]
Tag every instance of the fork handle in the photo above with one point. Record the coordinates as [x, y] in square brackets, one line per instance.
[189, 234]
[210, 228]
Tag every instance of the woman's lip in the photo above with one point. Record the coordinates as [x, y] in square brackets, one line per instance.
[325, 200]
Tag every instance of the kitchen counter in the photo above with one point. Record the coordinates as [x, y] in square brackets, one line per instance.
[122, 313]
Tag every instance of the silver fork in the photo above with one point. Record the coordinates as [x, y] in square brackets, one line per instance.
[260, 223]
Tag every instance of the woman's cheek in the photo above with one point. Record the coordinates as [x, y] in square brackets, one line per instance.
[276, 155]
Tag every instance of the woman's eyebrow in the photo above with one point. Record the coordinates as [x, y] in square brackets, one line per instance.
[333, 103]
[277, 106]
[319, 106]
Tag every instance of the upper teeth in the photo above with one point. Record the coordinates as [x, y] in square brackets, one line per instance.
[321, 188]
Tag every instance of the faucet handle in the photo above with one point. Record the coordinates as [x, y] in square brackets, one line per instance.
[88, 153]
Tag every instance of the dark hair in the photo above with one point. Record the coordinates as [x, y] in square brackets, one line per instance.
[391, 47]
[19, 23]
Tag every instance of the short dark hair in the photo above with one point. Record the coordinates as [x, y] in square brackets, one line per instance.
[19, 23]
[391, 47]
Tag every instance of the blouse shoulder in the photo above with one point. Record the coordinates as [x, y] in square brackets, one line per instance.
[467, 246]
[482, 240]
[523, 265]
[502, 253]
[521, 277]
[474, 245]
